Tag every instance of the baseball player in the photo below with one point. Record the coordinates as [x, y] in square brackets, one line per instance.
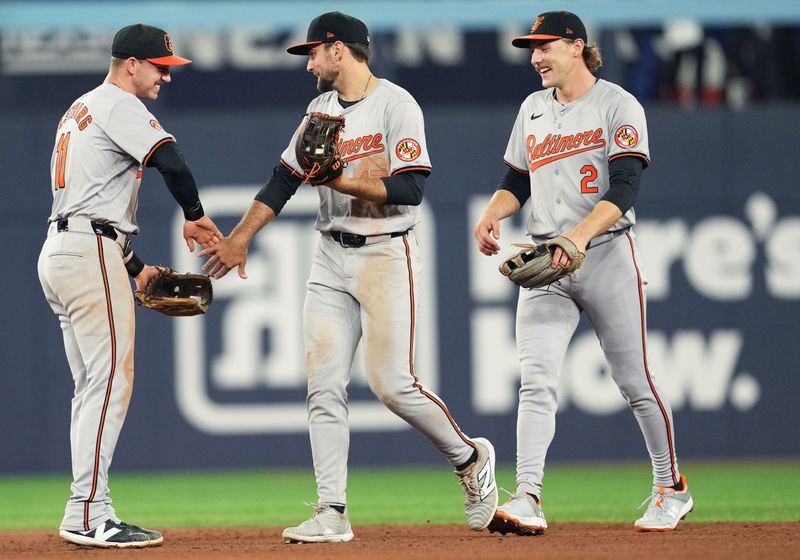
[577, 151]
[364, 280]
[102, 142]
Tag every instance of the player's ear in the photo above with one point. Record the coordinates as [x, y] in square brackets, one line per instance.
[130, 65]
[338, 49]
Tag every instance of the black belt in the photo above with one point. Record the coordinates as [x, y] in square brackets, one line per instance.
[354, 240]
[99, 228]
[606, 237]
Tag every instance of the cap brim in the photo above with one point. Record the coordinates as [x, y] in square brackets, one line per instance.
[523, 42]
[172, 60]
[303, 48]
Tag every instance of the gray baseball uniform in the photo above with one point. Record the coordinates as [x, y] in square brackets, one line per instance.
[368, 293]
[100, 146]
[566, 149]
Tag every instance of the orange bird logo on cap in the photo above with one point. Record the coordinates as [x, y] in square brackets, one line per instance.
[168, 42]
[537, 23]
[329, 35]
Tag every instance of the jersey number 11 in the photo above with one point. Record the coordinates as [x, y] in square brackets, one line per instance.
[61, 160]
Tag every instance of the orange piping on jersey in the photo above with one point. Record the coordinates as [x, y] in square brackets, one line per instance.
[110, 313]
[407, 169]
[154, 148]
[551, 159]
[365, 154]
[630, 154]
[673, 464]
[515, 168]
[292, 170]
[417, 384]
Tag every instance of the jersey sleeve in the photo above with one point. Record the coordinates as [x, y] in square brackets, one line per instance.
[516, 156]
[405, 139]
[134, 129]
[628, 132]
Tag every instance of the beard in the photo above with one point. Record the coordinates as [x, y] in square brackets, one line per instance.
[325, 83]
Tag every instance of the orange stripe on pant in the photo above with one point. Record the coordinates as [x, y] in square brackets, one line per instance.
[416, 383]
[110, 313]
[673, 463]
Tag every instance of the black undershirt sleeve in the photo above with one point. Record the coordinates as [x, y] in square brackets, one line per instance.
[279, 189]
[517, 183]
[625, 175]
[169, 161]
[405, 188]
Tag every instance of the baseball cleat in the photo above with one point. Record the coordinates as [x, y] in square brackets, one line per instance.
[114, 535]
[521, 515]
[326, 526]
[667, 507]
[480, 487]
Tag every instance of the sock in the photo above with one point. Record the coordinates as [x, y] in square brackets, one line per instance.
[338, 508]
[472, 459]
[678, 487]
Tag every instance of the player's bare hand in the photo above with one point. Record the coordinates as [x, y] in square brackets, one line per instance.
[486, 233]
[225, 255]
[561, 258]
[144, 276]
[203, 231]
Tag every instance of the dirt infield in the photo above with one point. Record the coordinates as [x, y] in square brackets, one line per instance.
[562, 541]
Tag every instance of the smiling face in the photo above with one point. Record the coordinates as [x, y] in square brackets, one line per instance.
[147, 78]
[323, 64]
[555, 60]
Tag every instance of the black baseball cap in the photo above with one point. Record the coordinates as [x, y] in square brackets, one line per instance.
[553, 25]
[146, 42]
[332, 27]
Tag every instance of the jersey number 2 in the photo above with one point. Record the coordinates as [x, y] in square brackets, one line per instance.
[589, 173]
[61, 160]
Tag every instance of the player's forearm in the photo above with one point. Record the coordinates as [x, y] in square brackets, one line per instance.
[502, 204]
[373, 190]
[604, 215]
[256, 217]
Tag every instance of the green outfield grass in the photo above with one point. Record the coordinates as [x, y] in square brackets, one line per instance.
[724, 491]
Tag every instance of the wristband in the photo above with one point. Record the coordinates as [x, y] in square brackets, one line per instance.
[134, 265]
[193, 212]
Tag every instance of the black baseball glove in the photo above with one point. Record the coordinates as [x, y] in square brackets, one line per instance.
[317, 148]
[177, 295]
[531, 267]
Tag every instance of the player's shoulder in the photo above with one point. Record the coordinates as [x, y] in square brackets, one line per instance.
[614, 92]
[105, 98]
[109, 93]
[393, 92]
[324, 103]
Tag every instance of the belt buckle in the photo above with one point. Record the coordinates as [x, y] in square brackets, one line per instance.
[352, 240]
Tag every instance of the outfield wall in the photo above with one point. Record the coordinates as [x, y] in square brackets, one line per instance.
[719, 229]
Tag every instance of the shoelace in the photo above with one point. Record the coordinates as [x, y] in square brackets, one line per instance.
[470, 484]
[318, 508]
[657, 499]
[517, 496]
[510, 495]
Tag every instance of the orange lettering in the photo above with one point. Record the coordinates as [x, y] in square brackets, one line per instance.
[61, 161]
[557, 146]
[370, 144]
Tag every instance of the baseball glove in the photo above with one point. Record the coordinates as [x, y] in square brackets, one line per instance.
[317, 148]
[531, 267]
[177, 295]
